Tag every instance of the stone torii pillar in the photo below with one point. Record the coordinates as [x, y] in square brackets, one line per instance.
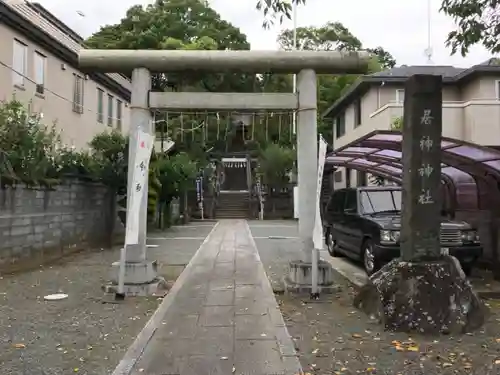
[304, 63]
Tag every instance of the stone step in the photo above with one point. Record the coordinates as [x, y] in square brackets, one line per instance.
[245, 205]
[236, 209]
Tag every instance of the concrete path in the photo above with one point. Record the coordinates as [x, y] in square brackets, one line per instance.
[220, 317]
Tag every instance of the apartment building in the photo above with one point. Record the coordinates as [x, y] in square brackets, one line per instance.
[39, 66]
[471, 107]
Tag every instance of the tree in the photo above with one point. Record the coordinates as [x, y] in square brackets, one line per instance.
[477, 22]
[28, 149]
[177, 24]
[275, 164]
[397, 123]
[176, 175]
[331, 36]
[385, 59]
[276, 9]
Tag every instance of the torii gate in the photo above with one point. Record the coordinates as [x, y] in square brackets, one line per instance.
[140, 271]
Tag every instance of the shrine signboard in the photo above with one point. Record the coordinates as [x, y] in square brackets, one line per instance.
[422, 202]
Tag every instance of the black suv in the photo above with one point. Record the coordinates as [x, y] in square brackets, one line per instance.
[364, 224]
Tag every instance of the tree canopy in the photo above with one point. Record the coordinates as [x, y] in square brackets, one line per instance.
[178, 24]
[478, 21]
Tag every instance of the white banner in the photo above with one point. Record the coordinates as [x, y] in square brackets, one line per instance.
[318, 225]
[143, 150]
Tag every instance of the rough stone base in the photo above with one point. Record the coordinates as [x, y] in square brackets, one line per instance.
[135, 273]
[299, 278]
[157, 287]
[427, 297]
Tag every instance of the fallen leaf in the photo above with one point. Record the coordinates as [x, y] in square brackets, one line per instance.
[446, 364]
[315, 351]
[356, 335]
[19, 346]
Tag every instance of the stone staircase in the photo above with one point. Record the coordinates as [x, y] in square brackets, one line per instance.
[232, 205]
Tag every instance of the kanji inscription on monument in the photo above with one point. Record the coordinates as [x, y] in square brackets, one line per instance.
[422, 130]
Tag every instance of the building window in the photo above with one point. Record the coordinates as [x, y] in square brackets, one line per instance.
[119, 106]
[100, 106]
[357, 112]
[110, 110]
[40, 66]
[19, 63]
[340, 126]
[78, 87]
[400, 96]
[497, 89]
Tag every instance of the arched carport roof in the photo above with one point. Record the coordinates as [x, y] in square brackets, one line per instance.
[379, 153]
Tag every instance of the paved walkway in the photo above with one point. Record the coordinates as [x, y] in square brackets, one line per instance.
[220, 317]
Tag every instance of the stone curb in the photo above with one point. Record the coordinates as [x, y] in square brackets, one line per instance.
[287, 348]
[135, 350]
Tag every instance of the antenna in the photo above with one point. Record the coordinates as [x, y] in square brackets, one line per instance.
[428, 51]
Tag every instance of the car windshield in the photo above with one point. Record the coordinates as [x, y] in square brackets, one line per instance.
[378, 201]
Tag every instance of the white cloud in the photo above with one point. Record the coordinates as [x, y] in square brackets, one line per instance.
[398, 26]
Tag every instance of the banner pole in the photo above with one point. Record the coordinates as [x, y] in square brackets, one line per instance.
[318, 225]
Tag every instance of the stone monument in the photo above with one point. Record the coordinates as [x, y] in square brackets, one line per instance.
[425, 290]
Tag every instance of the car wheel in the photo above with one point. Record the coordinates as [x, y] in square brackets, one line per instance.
[331, 244]
[370, 263]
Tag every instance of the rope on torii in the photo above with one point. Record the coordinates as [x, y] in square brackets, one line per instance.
[272, 126]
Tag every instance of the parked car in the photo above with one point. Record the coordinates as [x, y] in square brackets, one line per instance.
[364, 224]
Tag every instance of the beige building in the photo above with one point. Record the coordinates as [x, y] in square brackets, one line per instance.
[471, 107]
[38, 64]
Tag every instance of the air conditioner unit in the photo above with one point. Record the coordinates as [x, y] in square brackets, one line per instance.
[86, 77]
[40, 89]
[63, 66]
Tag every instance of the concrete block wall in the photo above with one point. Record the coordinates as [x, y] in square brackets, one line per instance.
[36, 224]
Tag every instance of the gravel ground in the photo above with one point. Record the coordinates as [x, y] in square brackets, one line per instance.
[79, 335]
[332, 337]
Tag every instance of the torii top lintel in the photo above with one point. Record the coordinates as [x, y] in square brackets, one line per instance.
[287, 62]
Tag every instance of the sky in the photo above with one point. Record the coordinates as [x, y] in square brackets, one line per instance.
[400, 27]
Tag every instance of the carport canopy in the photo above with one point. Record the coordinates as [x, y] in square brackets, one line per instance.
[465, 166]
